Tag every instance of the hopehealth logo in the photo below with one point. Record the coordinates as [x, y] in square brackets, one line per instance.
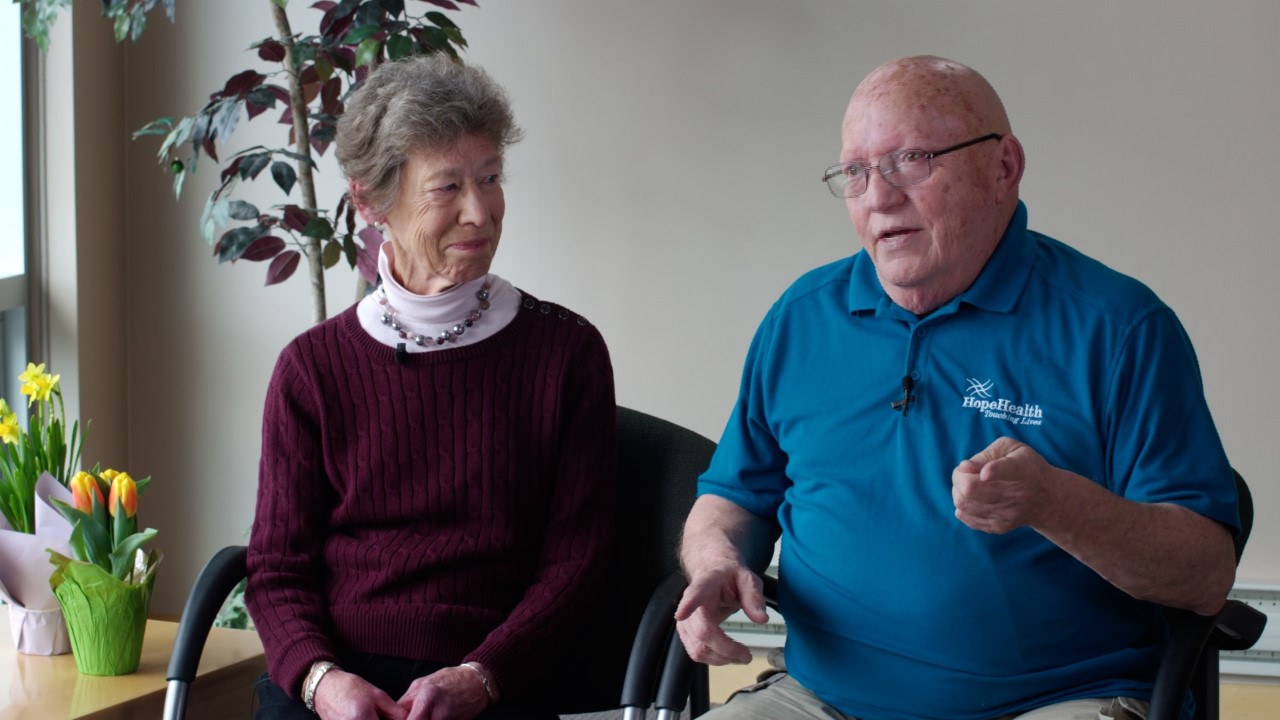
[978, 388]
[979, 396]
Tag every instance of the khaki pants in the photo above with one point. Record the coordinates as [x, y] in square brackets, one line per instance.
[779, 696]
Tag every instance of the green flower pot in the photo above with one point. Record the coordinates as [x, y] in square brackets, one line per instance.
[106, 617]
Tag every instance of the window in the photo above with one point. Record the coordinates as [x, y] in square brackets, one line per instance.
[13, 226]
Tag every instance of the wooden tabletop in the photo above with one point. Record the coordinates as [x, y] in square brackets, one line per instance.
[34, 687]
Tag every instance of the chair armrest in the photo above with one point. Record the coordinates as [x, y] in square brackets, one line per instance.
[1236, 627]
[657, 626]
[212, 586]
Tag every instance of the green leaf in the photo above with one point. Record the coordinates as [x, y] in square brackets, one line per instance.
[138, 18]
[225, 118]
[435, 39]
[122, 556]
[324, 68]
[281, 3]
[90, 541]
[178, 136]
[122, 27]
[299, 157]
[233, 242]
[284, 175]
[251, 165]
[159, 126]
[38, 19]
[399, 46]
[440, 19]
[349, 249]
[455, 35]
[209, 219]
[241, 210]
[360, 34]
[367, 52]
[122, 526]
[318, 228]
[331, 254]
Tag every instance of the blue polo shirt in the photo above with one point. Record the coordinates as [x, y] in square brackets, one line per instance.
[897, 610]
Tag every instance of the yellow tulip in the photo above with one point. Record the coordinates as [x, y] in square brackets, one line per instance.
[83, 487]
[124, 491]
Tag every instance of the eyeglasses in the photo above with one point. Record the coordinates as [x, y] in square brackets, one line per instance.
[902, 168]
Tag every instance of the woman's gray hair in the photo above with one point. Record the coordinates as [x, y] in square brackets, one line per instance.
[423, 103]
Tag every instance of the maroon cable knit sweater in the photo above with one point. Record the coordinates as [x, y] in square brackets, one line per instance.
[451, 509]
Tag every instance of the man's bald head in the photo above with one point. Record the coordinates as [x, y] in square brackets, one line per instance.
[930, 85]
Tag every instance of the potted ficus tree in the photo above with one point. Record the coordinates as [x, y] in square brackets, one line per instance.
[309, 76]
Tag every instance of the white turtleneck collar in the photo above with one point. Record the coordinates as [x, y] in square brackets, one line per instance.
[430, 315]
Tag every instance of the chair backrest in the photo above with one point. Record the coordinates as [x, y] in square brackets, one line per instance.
[1245, 504]
[658, 467]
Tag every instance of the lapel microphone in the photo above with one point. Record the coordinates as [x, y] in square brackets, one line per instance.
[402, 355]
[907, 398]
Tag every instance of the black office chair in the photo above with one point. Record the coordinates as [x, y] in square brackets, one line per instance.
[658, 466]
[1190, 665]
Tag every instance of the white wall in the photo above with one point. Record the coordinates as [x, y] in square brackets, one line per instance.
[668, 189]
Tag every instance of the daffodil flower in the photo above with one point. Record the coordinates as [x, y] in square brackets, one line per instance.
[10, 431]
[50, 443]
[38, 384]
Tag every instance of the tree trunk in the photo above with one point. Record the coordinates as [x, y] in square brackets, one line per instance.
[302, 145]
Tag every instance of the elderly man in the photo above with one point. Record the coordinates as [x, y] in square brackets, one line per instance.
[988, 456]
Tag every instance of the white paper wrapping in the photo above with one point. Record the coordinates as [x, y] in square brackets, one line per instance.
[35, 618]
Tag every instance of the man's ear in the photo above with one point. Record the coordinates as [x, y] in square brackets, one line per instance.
[357, 198]
[1012, 163]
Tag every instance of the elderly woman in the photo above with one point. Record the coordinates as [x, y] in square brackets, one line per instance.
[436, 477]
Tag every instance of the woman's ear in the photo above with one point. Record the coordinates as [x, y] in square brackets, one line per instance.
[357, 198]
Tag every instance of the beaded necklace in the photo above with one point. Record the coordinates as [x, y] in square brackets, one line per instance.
[390, 319]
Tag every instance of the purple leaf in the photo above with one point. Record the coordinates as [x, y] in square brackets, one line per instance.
[282, 267]
[271, 51]
[295, 218]
[209, 149]
[330, 94]
[231, 169]
[240, 84]
[264, 248]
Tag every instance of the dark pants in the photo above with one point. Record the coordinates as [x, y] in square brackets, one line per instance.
[392, 675]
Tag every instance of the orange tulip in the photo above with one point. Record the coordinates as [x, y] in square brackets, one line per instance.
[83, 487]
[124, 491]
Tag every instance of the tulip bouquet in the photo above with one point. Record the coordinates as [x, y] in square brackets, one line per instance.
[105, 531]
[106, 589]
